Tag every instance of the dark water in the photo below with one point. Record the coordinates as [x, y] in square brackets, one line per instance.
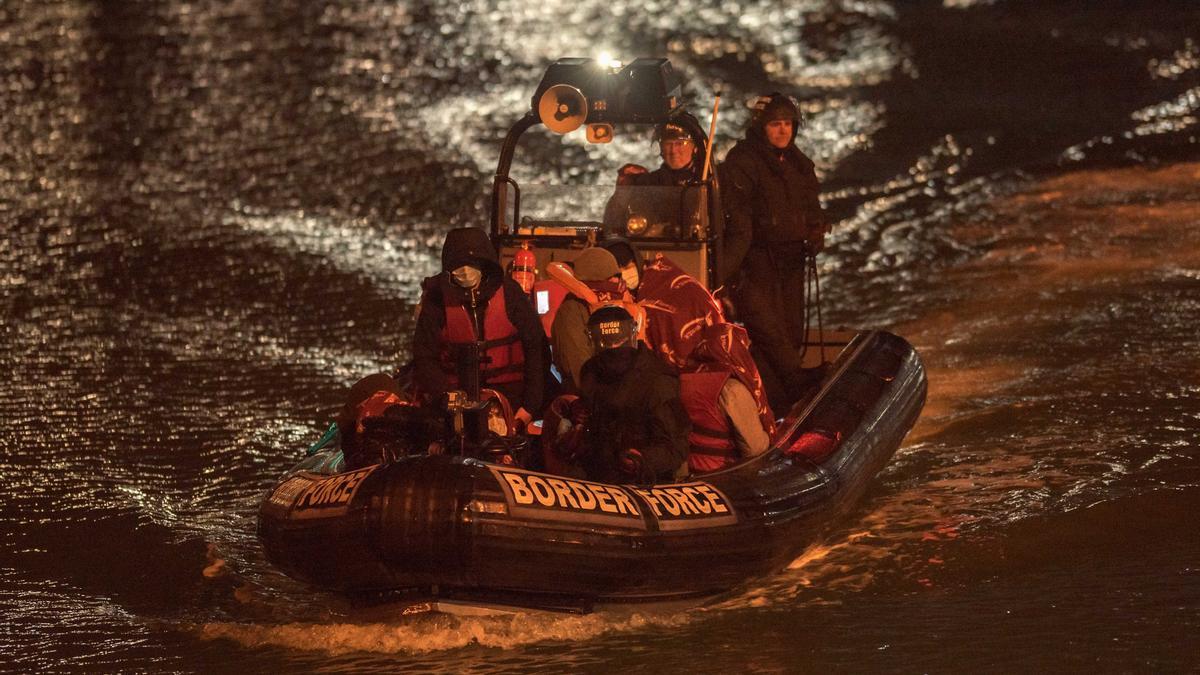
[215, 216]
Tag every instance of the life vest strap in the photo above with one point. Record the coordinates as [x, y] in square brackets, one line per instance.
[710, 433]
[501, 341]
[503, 370]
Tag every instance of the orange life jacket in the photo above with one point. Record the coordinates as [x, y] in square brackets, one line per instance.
[711, 439]
[599, 293]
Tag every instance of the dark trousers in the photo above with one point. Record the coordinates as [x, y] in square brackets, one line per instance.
[769, 298]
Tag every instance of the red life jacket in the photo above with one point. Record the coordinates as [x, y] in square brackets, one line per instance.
[711, 437]
[502, 357]
[547, 297]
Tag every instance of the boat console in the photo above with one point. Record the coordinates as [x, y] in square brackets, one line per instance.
[558, 220]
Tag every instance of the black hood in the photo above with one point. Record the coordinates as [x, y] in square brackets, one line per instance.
[623, 249]
[469, 246]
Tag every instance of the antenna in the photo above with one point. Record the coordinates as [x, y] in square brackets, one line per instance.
[712, 128]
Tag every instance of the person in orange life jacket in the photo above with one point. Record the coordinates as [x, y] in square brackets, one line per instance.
[470, 300]
[724, 397]
[677, 305]
[774, 221]
[635, 428]
[569, 340]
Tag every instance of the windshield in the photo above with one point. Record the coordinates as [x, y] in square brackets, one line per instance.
[636, 211]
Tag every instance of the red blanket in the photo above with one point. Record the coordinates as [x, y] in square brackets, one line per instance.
[686, 328]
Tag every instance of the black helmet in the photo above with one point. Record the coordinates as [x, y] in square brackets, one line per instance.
[611, 326]
[682, 125]
[774, 106]
[669, 131]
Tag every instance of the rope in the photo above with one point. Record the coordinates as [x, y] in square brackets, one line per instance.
[816, 283]
[811, 291]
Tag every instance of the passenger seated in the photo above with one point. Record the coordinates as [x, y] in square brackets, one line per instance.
[629, 424]
[379, 423]
[597, 279]
[724, 396]
[471, 302]
[677, 305]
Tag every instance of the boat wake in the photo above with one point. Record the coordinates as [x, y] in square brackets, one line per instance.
[438, 632]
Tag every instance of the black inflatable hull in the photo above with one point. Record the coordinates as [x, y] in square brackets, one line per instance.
[454, 527]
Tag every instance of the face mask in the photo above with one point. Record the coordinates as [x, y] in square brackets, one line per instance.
[497, 425]
[467, 276]
[629, 275]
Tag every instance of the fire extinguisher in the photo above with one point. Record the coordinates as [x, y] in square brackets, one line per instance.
[524, 267]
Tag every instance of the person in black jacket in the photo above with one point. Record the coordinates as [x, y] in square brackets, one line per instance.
[666, 199]
[775, 222]
[473, 300]
[636, 428]
[680, 143]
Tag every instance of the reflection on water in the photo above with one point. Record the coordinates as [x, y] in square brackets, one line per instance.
[216, 217]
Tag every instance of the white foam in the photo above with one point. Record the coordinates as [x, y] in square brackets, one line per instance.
[438, 632]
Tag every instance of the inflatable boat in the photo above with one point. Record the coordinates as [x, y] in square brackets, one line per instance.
[467, 527]
[463, 529]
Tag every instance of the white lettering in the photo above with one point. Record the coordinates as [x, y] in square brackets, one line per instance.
[624, 504]
[701, 505]
[685, 504]
[668, 501]
[603, 498]
[586, 499]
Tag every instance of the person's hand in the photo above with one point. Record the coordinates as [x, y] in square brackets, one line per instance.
[626, 173]
[578, 413]
[629, 462]
[521, 419]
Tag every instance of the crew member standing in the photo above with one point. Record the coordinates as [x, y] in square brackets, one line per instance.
[473, 301]
[775, 223]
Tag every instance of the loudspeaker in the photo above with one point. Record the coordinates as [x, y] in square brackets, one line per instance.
[562, 108]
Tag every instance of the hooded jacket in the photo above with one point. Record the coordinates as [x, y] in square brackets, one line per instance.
[432, 371]
[641, 409]
[771, 194]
